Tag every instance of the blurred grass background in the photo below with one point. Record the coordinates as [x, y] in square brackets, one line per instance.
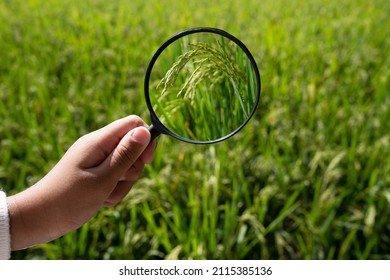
[308, 178]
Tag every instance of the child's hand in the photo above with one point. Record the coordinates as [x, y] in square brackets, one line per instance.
[98, 170]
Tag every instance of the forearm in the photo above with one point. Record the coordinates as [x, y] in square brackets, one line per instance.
[28, 218]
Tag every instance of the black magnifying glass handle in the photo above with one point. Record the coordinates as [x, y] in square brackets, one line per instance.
[154, 133]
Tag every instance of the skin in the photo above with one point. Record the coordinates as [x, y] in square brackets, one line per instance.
[98, 170]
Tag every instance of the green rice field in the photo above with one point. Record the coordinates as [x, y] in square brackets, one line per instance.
[307, 178]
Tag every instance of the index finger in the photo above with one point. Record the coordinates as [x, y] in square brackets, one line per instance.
[109, 136]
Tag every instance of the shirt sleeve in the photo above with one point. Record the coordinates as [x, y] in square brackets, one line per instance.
[5, 240]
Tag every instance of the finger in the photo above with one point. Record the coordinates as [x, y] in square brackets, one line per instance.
[147, 155]
[92, 149]
[120, 191]
[110, 135]
[133, 172]
[126, 153]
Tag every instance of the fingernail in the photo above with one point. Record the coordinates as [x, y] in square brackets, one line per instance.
[140, 135]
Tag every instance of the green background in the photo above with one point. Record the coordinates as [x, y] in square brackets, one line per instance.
[307, 178]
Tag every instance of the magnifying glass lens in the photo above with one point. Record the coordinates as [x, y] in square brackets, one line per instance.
[202, 87]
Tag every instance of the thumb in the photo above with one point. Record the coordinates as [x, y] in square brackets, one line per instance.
[128, 150]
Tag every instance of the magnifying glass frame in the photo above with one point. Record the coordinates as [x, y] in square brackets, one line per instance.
[157, 127]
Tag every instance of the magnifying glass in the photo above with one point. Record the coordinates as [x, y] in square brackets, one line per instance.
[201, 86]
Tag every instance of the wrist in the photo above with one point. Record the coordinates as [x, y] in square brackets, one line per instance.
[28, 226]
[16, 224]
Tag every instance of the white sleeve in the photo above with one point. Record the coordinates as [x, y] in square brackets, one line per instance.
[5, 240]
